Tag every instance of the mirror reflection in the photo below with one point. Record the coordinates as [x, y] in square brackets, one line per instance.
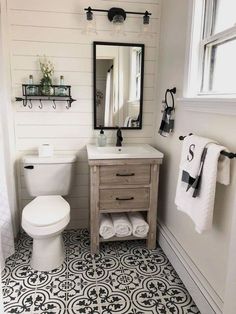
[118, 85]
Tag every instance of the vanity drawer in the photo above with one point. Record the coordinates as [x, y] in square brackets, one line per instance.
[112, 199]
[125, 174]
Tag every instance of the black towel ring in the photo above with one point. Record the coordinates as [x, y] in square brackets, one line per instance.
[172, 92]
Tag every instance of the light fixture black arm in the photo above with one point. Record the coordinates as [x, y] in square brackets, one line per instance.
[139, 13]
[127, 12]
[95, 10]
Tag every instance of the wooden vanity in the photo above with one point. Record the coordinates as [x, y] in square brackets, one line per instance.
[123, 185]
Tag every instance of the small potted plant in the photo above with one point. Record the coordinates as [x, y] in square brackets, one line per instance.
[47, 70]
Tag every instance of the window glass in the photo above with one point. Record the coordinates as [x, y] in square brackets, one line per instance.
[223, 67]
[225, 15]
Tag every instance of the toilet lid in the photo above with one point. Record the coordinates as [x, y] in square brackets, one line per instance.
[46, 210]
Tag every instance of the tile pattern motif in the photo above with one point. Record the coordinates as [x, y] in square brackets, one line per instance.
[125, 277]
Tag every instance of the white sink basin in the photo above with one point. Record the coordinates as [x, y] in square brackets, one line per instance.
[126, 151]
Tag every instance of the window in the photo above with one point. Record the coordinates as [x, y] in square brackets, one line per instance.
[135, 74]
[213, 68]
[138, 57]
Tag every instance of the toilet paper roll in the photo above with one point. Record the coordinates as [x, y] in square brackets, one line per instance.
[45, 150]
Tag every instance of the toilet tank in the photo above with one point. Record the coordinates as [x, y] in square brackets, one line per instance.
[49, 175]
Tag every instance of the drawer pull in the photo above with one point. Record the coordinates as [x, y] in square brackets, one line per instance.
[125, 174]
[124, 199]
[29, 167]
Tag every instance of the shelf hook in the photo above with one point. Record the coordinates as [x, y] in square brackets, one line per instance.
[54, 106]
[30, 105]
[68, 104]
[24, 102]
[41, 104]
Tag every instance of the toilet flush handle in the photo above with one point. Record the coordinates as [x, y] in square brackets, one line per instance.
[29, 167]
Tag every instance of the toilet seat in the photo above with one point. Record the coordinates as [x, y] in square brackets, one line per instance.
[45, 216]
[44, 219]
[45, 211]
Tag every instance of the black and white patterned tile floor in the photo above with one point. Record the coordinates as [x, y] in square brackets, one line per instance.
[124, 277]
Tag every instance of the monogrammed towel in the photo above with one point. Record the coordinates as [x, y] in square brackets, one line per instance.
[192, 161]
[214, 168]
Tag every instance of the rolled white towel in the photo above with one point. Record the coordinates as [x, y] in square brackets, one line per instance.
[121, 224]
[106, 229]
[139, 225]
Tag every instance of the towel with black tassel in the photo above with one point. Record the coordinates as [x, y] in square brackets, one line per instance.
[167, 123]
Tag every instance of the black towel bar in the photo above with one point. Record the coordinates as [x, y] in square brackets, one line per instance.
[227, 154]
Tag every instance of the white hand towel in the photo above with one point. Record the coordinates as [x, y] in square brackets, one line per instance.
[200, 209]
[139, 225]
[121, 224]
[106, 229]
[223, 169]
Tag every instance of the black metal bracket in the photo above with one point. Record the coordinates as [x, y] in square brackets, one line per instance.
[33, 92]
[172, 90]
[181, 137]
[230, 155]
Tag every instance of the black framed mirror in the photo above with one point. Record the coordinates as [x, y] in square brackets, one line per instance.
[118, 74]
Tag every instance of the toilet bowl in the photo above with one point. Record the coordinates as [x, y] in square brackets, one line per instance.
[44, 219]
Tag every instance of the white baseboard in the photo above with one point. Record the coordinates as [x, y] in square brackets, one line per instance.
[202, 293]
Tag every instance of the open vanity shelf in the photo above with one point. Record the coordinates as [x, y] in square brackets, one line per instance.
[123, 185]
[121, 239]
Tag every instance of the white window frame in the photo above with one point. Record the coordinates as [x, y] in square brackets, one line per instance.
[199, 36]
[135, 74]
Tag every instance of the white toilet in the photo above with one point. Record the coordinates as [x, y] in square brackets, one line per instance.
[44, 218]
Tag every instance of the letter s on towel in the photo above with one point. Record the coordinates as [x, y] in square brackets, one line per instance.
[191, 149]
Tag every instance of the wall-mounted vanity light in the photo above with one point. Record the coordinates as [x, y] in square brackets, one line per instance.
[90, 27]
[116, 16]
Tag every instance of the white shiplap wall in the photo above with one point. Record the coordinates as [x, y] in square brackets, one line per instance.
[54, 28]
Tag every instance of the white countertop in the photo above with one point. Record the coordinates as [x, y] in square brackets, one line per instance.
[127, 151]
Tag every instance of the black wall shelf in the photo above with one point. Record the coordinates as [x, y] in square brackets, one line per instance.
[41, 93]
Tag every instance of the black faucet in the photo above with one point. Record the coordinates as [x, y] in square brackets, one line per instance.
[119, 138]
